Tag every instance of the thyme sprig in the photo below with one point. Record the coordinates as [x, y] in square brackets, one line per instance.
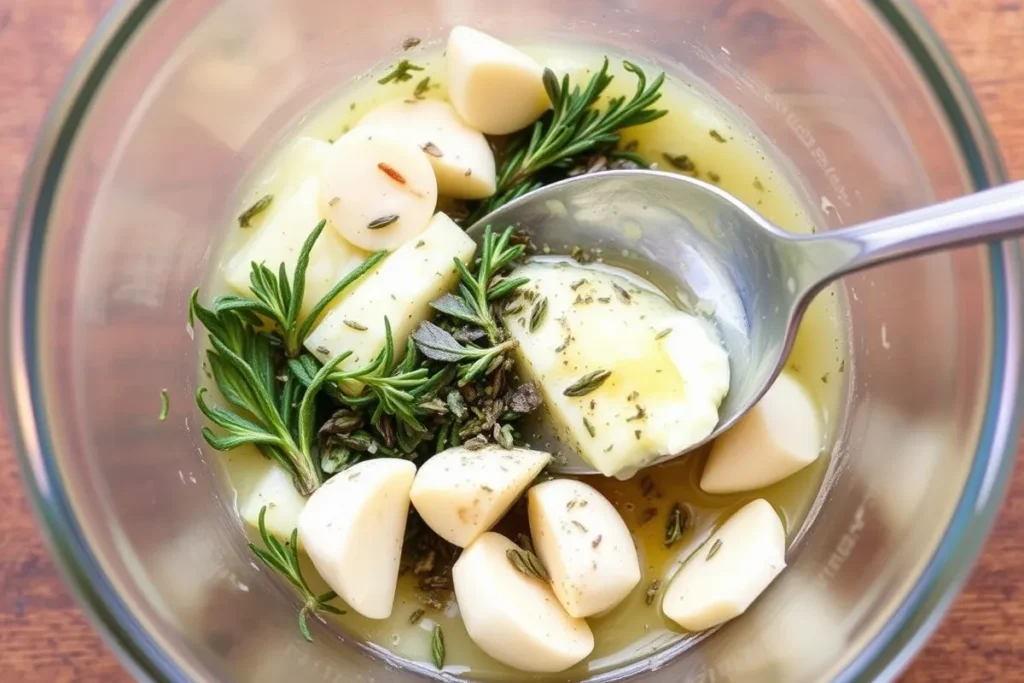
[438, 344]
[479, 290]
[283, 558]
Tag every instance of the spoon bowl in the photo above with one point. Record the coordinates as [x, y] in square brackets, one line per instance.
[718, 258]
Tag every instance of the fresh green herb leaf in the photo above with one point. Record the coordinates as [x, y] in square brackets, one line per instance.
[283, 558]
[261, 205]
[165, 405]
[480, 290]
[715, 547]
[587, 383]
[401, 73]
[242, 361]
[394, 389]
[456, 307]
[437, 650]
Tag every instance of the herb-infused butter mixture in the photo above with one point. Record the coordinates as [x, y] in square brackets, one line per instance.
[378, 380]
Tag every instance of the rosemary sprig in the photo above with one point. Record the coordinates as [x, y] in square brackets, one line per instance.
[284, 559]
[279, 299]
[242, 361]
[392, 389]
[573, 127]
[479, 290]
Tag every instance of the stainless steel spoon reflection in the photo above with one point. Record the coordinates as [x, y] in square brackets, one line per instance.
[707, 250]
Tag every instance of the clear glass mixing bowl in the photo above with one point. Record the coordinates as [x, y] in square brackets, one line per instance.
[173, 102]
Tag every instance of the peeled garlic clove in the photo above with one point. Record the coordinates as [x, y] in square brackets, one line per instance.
[515, 618]
[460, 493]
[353, 528]
[726, 574]
[496, 88]
[275, 490]
[778, 437]
[584, 544]
[665, 372]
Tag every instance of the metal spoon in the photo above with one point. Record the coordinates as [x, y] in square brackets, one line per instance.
[700, 244]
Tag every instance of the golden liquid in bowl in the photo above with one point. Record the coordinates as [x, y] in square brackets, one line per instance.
[723, 150]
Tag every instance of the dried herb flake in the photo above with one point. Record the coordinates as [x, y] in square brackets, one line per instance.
[382, 222]
[261, 205]
[588, 383]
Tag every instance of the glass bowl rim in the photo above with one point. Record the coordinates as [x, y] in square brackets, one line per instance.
[884, 656]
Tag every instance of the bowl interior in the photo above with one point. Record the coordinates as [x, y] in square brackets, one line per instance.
[126, 221]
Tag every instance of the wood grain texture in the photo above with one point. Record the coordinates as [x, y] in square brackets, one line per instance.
[45, 637]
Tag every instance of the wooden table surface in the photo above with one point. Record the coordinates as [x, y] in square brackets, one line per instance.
[45, 637]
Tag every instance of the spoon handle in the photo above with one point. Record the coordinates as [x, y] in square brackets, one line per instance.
[993, 214]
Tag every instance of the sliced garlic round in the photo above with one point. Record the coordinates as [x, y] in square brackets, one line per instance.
[462, 159]
[377, 191]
